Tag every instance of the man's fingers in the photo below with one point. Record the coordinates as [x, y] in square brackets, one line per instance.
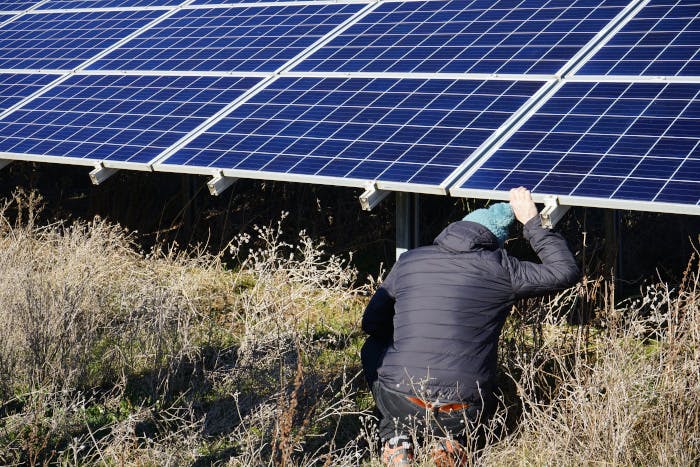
[523, 206]
[520, 193]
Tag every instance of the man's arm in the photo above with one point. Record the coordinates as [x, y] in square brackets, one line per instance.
[558, 269]
[378, 318]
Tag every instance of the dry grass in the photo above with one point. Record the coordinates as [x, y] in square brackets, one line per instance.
[113, 356]
[626, 392]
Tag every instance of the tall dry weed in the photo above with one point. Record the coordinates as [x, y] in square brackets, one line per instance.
[84, 313]
[289, 407]
[110, 355]
[626, 394]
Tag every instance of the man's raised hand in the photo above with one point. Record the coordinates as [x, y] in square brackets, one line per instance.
[522, 204]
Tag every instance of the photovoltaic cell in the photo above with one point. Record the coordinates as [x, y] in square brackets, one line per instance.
[401, 130]
[15, 87]
[230, 2]
[66, 4]
[620, 141]
[663, 39]
[466, 36]
[228, 39]
[65, 40]
[17, 6]
[116, 118]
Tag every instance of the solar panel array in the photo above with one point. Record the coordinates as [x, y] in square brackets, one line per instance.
[15, 87]
[414, 131]
[75, 4]
[63, 41]
[477, 36]
[469, 97]
[663, 39]
[625, 141]
[131, 119]
[21, 5]
[612, 134]
[228, 39]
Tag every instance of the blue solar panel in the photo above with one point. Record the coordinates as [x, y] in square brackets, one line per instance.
[621, 141]
[400, 130]
[116, 118]
[15, 87]
[65, 40]
[663, 39]
[466, 36]
[228, 39]
[231, 2]
[17, 6]
[65, 4]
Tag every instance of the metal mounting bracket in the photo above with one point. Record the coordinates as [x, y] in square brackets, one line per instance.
[372, 196]
[552, 212]
[101, 173]
[4, 163]
[218, 184]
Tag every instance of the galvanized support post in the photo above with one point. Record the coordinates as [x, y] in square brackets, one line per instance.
[407, 222]
[416, 219]
[613, 241]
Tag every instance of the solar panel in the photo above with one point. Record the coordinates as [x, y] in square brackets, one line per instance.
[354, 130]
[228, 39]
[65, 40]
[17, 6]
[663, 39]
[68, 4]
[168, 98]
[466, 36]
[233, 2]
[610, 141]
[115, 118]
[15, 87]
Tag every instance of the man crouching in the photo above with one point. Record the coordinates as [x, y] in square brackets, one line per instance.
[435, 322]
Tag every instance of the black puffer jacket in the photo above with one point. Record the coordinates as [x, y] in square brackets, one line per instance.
[449, 302]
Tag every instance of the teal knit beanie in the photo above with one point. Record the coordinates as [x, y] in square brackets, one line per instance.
[497, 218]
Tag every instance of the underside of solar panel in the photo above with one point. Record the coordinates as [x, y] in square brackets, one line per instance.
[594, 101]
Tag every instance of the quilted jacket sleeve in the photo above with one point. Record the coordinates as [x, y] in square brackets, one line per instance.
[378, 318]
[557, 271]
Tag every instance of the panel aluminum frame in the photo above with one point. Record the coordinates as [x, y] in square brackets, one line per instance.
[50, 159]
[39, 8]
[565, 200]
[188, 5]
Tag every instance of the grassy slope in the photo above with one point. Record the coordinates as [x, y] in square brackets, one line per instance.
[113, 356]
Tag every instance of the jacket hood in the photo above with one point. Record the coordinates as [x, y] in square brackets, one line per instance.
[464, 236]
